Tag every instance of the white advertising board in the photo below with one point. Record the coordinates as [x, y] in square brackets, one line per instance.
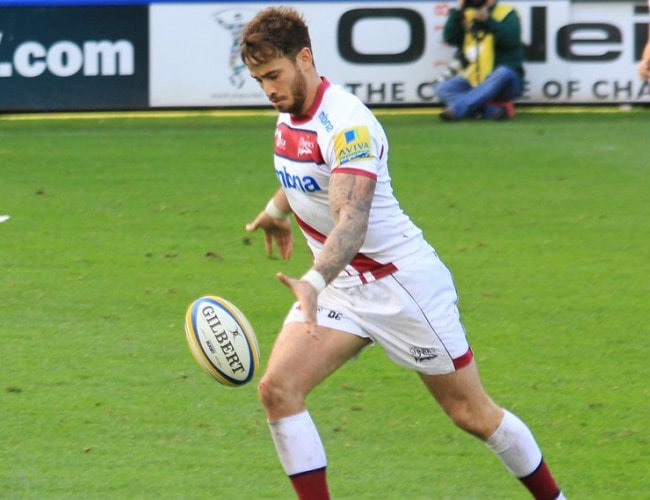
[390, 52]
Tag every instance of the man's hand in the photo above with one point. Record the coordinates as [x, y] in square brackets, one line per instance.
[307, 297]
[278, 229]
[481, 15]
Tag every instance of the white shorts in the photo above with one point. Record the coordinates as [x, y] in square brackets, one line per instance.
[412, 314]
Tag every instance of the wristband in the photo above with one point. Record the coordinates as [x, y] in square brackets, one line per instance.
[315, 279]
[274, 211]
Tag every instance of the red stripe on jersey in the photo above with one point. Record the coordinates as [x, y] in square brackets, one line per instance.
[354, 171]
[310, 230]
[363, 264]
[360, 262]
[297, 144]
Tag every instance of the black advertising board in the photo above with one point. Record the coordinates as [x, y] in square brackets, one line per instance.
[67, 58]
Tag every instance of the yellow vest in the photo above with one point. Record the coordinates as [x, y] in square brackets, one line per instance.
[478, 46]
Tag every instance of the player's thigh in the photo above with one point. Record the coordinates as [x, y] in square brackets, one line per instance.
[300, 361]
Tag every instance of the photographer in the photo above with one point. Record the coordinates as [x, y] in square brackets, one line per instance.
[644, 64]
[488, 36]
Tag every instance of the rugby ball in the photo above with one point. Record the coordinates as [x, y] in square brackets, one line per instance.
[222, 340]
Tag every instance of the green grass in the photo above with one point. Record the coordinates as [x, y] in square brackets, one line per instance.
[118, 223]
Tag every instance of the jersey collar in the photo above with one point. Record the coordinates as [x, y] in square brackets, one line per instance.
[324, 85]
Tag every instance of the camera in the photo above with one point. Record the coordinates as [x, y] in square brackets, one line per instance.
[457, 64]
[475, 27]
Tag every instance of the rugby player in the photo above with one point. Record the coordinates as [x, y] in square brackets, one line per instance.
[374, 278]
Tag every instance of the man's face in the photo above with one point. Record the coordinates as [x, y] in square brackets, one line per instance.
[283, 83]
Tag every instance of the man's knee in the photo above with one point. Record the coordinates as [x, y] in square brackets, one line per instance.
[504, 72]
[464, 418]
[270, 393]
[276, 394]
[449, 90]
[479, 420]
[508, 82]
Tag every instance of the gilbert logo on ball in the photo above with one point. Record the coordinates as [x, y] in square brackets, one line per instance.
[222, 340]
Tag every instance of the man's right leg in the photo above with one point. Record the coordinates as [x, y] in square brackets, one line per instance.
[297, 364]
[450, 91]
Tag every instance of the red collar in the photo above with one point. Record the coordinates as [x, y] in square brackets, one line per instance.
[324, 85]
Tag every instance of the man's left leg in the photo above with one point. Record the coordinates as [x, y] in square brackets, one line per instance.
[463, 398]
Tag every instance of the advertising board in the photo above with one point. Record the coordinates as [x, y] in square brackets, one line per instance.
[54, 58]
[390, 53]
[135, 54]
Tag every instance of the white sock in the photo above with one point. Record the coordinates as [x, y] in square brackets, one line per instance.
[515, 445]
[298, 444]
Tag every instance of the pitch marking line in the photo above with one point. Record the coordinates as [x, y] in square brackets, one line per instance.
[227, 113]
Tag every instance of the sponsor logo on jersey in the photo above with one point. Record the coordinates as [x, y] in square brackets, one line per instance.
[304, 183]
[325, 120]
[352, 144]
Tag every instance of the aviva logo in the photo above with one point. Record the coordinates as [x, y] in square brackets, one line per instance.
[305, 183]
[352, 144]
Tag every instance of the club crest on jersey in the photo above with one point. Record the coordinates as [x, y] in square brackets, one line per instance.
[280, 143]
[305, 147]
[352, 144]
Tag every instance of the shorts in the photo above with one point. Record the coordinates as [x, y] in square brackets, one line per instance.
[412, 313]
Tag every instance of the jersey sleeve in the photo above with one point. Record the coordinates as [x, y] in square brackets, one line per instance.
[355, 152]
[355, 143]
[357, 146]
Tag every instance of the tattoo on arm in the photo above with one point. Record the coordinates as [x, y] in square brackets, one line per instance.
[350, 200]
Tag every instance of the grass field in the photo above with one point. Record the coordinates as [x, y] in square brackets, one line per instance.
[117, 223]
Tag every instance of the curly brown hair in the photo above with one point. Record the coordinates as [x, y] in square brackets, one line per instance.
[274, 32]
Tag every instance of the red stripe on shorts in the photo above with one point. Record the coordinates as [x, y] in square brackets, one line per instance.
[464, 360]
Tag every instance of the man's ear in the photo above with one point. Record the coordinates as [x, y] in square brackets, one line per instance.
[305, 58]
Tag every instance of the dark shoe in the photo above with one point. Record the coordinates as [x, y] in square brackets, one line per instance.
[500, 110]
[509, 108]
[497, 113]
[448, 115]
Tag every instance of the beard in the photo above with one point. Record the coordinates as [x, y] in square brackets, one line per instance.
[298, 94]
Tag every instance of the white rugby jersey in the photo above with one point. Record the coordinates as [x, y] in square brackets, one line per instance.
[340, 134]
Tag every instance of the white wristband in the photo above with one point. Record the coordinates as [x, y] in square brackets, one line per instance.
[274, 211]
[315, 279]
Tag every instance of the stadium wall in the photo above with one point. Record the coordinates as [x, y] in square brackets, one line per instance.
[133, 54]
